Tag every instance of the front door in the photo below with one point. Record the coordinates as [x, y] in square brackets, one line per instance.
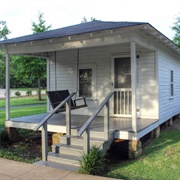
[122, 87]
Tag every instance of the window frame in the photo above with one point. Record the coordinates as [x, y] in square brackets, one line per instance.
[171, 84]
[93, 88]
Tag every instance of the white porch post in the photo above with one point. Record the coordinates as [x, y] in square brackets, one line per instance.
[7, 86]
[133, 86]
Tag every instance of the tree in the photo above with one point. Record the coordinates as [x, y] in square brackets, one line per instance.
[29, 68]
[84, 20]
[4, 31]
[38, 65]
[2, 69]
[176, 28]
[41, 25]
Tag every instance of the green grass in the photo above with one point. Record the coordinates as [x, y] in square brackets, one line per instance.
[160, 160]
[23, 111]
[26, 111]
[23, 101]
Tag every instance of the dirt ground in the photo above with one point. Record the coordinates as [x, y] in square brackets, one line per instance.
[175, 125]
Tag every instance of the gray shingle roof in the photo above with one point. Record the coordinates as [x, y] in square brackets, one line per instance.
[72, 30]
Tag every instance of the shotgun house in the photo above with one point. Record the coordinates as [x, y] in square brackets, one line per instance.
[129, 73]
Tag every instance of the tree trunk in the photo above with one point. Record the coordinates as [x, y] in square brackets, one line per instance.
[39, 89]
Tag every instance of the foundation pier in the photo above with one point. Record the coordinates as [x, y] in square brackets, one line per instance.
[135, 149]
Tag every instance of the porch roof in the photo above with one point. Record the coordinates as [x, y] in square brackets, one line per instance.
[80, 29]
[73, 30]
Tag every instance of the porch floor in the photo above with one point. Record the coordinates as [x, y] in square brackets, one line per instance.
[56, 123]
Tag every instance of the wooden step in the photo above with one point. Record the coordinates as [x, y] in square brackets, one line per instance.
[71, 154]
[76, 140]
[71, 150]
[64, 159]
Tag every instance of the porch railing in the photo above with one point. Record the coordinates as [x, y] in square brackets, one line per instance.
[43, 124]
[85, 129]
[122, 101]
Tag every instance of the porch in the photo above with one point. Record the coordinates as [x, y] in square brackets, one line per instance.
[57, 123]
[83, 131]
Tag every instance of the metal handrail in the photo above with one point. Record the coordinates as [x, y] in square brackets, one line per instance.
[54, 111]
[89, 121]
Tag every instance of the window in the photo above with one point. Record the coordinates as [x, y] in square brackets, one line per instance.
[171, 83]
[122, 70]
[85, 82]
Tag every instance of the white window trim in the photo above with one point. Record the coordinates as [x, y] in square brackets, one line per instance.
[94, 89]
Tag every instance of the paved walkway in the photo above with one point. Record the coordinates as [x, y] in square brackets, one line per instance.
[13, 170]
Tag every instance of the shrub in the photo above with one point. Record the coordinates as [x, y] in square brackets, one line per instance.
[17, 93]
[4, 138]
[29, 93]
[94, 162]
[5, 93]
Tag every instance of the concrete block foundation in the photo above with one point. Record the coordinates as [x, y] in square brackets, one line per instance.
[135, 149]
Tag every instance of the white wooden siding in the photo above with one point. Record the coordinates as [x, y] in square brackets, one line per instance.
[66, 71]
[148, 102]
[168, 107]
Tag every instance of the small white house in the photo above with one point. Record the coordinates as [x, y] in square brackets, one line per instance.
[135, 61]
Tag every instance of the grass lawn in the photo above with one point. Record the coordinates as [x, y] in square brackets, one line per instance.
[23, 111]
[160, 160]
[23, 101]
[26, 111]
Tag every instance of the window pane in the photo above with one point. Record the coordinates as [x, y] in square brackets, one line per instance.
[122, 74]
[172, 90]
[85, 82]
[172, 78]
[171, 83]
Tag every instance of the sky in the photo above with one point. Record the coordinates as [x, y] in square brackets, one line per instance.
[19, 14]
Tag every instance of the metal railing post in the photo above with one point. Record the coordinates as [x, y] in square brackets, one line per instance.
[68, 117]
[44, 138]
[85, 129]
[43, 124]
[106, 120]
[86, 137]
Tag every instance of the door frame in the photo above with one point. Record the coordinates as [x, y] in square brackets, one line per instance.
[113, 83]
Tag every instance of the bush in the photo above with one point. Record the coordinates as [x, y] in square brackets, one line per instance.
[4, 138]
[17, 93]
[29, 93]
[94, 163]
[5, 93]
